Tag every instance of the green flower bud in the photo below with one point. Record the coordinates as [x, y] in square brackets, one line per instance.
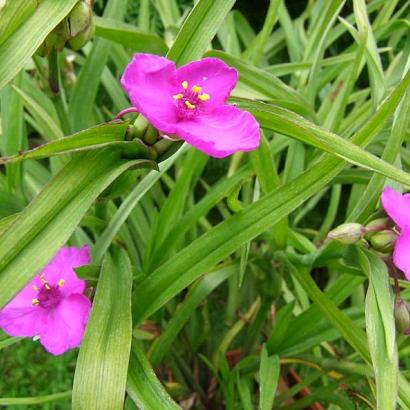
[402, 316]
[81, 24]
[79, 19]
[384, 241]
[347, 233]
[375, 226]
[80, 40]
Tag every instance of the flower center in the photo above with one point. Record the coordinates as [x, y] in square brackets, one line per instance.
[48, 297]
[190, 101]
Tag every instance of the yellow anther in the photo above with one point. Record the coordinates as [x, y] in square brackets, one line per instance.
[35, 287]
[177, 96]
[189, 105]
[61, 283]
[204, 97]
[184, 85]
[196, 88]
[35, 301]
[47, 286]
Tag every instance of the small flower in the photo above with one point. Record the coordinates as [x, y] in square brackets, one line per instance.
[397, 207]
[52, 306]
[190, 102]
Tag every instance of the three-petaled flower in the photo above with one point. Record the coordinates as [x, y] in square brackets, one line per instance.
[397, 207]
[190, 103]
[52, 306]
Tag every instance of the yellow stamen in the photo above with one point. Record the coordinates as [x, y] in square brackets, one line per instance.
[35, 301]
[177, 96]
[196, 88]
[204, 97]
[184, 84]
[61, 283]
[35, 287]
[47, 286]
[189, 105]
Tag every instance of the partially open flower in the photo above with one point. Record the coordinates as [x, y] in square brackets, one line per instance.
[52, 306]
[397, 207]
[190, 102]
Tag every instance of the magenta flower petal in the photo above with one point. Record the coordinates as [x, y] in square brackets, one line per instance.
[22, 321]
[397, 206]
[150, 82]
[401, 254]
[214, 77]
[221, 132]
[66, 324]
[61, 267]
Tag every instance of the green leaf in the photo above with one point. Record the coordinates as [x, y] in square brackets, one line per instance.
[23, 43]
[30, 401]
[381, 331]
[129, 36]
[143, 386]
[101, 372]
[91, 138]
[285, 122]
[268, 379]
[13, 14]
[198, 30]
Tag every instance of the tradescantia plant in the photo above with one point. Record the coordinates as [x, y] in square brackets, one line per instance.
[201, 204]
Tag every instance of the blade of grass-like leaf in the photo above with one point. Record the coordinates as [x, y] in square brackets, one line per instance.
[285, 122]
[268, 379]
[195, 296]
[258, 47]
[91, 138]
[199, 29]
[31, 401]
[47, 223]
[51, 129]
[13, 132]
[23, 43]
[101, 372]
[377, 83]
[381, 332]
[143, 386]
[129, 36]
[218, 243]
[13, 14]
[265, 169]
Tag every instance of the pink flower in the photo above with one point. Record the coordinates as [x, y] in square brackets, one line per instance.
[52, 306]
[190, 102]
[397, 207]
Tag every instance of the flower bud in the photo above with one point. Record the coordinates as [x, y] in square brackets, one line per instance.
[80, 18]
[384, 241]
[80, 40]
[81, 25]
[375, 226]
[402, 316]
[347, 233]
